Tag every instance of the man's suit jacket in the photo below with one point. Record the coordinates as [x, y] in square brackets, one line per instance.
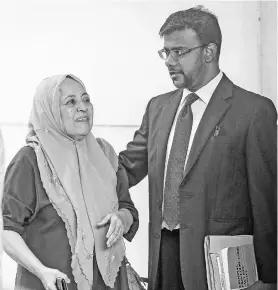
[229, 185]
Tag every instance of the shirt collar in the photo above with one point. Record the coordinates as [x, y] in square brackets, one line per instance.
[205, 92]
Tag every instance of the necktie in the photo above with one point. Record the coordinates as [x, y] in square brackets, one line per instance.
[176, 162]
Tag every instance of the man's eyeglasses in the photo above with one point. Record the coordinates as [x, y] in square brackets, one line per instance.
[177, 53]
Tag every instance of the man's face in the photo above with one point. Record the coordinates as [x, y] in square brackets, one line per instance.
[188, 70]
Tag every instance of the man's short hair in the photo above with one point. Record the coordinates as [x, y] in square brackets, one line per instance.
[203, 22]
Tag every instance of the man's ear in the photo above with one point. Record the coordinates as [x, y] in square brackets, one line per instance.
[210, 52]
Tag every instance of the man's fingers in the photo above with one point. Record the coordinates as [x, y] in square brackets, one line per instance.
[104, 221]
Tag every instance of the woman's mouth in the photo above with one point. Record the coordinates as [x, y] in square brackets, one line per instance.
[82, 120]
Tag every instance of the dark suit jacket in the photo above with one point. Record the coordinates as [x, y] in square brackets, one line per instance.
[229, 187]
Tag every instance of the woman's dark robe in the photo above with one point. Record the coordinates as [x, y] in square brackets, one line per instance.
[28, 211]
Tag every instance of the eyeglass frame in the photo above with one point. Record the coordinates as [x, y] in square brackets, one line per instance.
[184, 51]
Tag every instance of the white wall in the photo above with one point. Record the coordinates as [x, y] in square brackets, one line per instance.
[268, 53]
[112, 46]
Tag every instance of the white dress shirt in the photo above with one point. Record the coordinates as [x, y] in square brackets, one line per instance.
[198, 109]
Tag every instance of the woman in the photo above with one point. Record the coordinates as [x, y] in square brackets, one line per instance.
[66, 203]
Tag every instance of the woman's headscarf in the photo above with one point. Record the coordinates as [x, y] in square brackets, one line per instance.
[80, 183]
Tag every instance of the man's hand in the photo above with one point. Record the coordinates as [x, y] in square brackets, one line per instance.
[116, 228]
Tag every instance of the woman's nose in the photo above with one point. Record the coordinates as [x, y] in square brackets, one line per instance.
[82, 106]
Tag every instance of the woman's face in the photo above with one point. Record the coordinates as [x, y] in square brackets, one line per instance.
[76, 109]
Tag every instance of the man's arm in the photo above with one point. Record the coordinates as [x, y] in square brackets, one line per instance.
[261, 155]
[135, 158]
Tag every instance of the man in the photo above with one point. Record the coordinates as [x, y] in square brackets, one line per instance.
[209, 150]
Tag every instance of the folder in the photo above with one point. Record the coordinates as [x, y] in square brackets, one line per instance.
[230, 262]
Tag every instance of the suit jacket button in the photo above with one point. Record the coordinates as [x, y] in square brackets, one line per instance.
[157, 236]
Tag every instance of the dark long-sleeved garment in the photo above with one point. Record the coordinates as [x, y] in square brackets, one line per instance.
[28, 211]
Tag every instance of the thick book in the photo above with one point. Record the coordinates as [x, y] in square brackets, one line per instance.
[230, 262]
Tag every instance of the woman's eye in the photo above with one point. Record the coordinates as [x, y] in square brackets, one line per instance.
[71, 102]
[87, 100]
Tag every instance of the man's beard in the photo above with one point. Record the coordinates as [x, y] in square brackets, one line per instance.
[185, 83]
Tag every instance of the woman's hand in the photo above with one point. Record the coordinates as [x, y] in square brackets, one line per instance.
[116, 228]
[48, 277]
[16, 247]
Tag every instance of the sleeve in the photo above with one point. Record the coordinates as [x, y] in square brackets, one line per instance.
[19, 196]
[127, 210]
[261, 156]
[126, 204]
[135, 158]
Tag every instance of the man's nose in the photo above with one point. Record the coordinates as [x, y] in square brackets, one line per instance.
[170, 61]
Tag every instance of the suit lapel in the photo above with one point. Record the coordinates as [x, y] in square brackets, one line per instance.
[215, 110]
[166, 120]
